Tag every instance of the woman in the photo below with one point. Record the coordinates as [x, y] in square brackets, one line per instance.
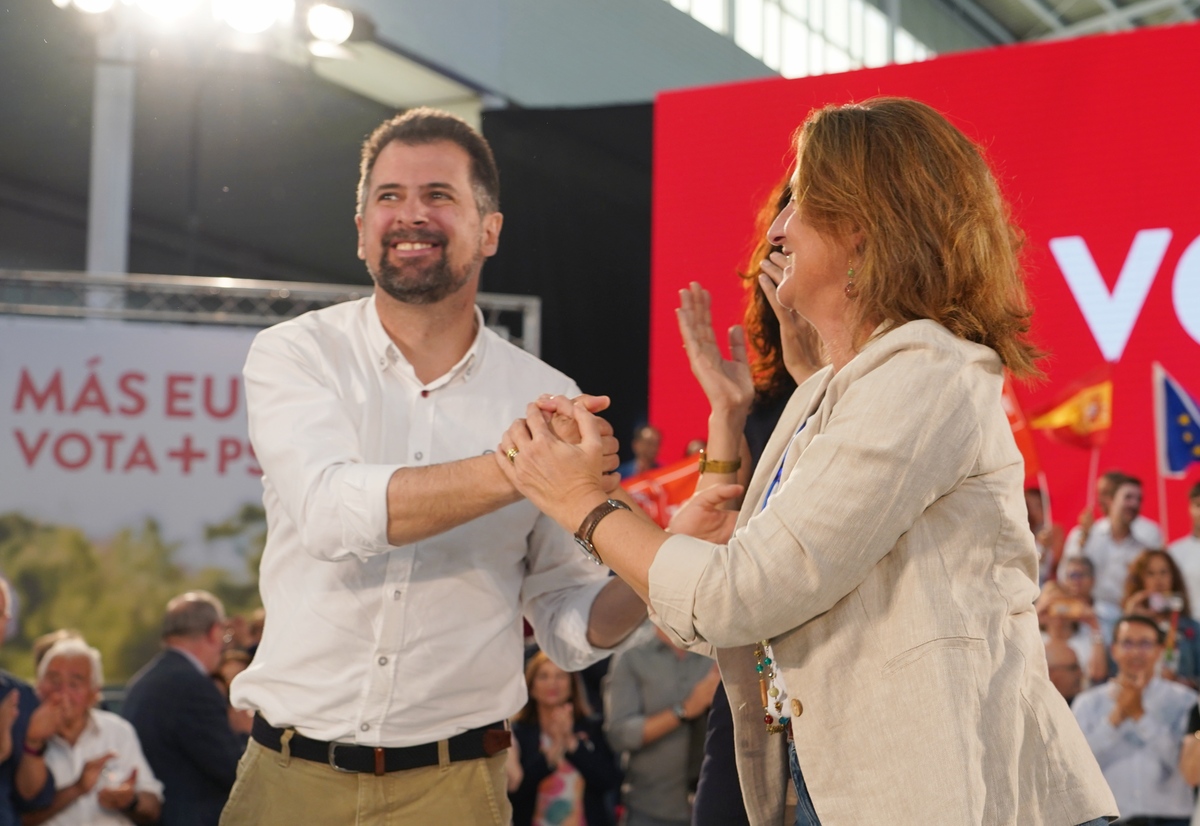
[883, 553]
[1155, 589]
[560, 766]
[785, 353]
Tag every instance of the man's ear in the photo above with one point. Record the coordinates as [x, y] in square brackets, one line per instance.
[492, 223]
[358, 225]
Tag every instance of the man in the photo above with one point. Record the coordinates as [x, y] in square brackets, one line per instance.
[180, 715]
[1113, 549]
[1135, 725]
[1186, 551]
[399, 559]
[1144, 531]
[95, 758]
[655, 709]
[1065, 671]
[25, 783]
[645, 444]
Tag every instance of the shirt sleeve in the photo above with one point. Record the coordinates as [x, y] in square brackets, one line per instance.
[306, 442]
[624, 716]
[131, 750]
[1091, 711]
[901, 436]
[557, 594]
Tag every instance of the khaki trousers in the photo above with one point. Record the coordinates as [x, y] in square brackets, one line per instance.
[274, 789]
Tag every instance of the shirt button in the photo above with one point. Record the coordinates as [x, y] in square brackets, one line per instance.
[383, 660]
[424, 394]
[365, 727]
[382, 361]
[396, 594]
[797, 708]
[419, 454]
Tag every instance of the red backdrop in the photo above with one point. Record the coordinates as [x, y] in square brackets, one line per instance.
[1093, 139]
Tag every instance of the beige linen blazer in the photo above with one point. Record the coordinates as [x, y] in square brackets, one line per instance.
[895, 573]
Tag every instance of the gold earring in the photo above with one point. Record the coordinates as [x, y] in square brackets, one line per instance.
[850, 290]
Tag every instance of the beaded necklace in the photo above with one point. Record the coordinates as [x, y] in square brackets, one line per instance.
[764, 663]
[777, 723]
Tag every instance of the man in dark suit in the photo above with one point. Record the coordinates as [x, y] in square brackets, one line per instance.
[180, 716]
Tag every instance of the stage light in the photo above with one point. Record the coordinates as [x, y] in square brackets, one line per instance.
[329, 24]
[62, 4]
[93, 6]
[253, 16]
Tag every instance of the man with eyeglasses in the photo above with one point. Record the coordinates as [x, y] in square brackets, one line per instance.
[1135, 724]
[180, 715]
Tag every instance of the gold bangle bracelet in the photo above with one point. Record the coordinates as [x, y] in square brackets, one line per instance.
[713, 466]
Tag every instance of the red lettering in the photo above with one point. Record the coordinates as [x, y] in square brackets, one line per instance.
[179, 390]
[91, 395]
[62, 455]
[227, 450]
[231, 405]
[136, 398]
[27, 390]
[31, 453]
[110, 442]
[185, 454]
[141, 457]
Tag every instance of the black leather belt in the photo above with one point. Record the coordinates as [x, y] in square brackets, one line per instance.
[348, 757]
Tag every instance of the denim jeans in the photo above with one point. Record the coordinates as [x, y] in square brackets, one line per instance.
[806, 815]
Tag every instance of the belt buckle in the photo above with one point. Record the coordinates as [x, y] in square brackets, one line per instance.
[333, 761]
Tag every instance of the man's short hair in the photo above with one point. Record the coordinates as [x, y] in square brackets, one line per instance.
[73, 647]
[1194, 493]
[192, 615]
[422, 126]
[1138, 619]
[1085, 562]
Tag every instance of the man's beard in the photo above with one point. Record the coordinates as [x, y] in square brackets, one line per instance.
[413, 283]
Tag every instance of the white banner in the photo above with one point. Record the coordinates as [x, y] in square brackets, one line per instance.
[108, 423]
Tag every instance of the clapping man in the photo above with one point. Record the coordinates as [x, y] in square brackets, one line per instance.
[1135, 724]
[95, 757]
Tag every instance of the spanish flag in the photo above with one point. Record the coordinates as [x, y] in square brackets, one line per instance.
[1082, 415]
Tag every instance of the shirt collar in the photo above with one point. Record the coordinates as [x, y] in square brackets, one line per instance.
[191, 658]
[386, 353]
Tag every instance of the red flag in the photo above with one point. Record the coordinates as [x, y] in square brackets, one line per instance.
[1021, 433]
[661, 491]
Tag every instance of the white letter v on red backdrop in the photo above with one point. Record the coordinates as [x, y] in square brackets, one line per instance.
[1111, 316]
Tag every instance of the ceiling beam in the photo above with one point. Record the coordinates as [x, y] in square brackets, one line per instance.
[1103, 22]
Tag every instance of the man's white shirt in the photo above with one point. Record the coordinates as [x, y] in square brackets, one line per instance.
[104, 732]
[382, 645]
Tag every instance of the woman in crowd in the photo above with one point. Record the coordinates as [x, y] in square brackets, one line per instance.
[560, 766]
[1155, 588]
[874, 597]
[784, 352]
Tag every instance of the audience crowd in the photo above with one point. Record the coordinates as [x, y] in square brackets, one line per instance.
[1119, 621]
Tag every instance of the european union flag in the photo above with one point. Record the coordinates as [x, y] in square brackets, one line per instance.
[1178, 424]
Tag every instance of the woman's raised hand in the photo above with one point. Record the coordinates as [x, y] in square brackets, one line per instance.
[726, 382]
